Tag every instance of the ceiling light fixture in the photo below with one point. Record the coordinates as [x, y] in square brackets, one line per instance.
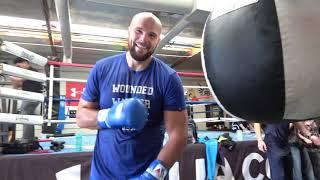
[81, 33]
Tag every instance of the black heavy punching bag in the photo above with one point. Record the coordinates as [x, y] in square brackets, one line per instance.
[262, 58]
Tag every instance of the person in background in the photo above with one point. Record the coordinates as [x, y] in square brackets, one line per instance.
[27, 107]
[313, 150]
[276, 145]
[132, 99]
[302, 166]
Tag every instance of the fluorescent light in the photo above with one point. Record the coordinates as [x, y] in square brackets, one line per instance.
[23, 33]
[28, 23]
[80, 32]
[186, 41]
[98, 31]
[221, 7]
[22, 23]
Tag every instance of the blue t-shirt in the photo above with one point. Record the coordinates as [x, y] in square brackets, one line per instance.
[121, 153]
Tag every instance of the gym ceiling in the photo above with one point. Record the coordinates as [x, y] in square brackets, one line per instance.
[83, 31]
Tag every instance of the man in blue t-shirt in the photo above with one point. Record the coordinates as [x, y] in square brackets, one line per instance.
[132, 99]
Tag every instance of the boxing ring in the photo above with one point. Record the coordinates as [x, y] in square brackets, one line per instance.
[52, 163]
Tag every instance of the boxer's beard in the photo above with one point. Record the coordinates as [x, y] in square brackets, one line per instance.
[140, 57]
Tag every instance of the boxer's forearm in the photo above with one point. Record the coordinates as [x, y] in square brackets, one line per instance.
[177, 128]
[87, 118]
[173, 149]
[87, 114]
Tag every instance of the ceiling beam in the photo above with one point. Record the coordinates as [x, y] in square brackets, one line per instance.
[201, 8]
[181, 60]
[176, 6]
[46, 13]
[63, 13]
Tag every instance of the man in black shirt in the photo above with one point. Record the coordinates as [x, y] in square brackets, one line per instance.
[27, 107]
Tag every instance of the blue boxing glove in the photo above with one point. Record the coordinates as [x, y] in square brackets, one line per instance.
[129, 113]
[155, 171]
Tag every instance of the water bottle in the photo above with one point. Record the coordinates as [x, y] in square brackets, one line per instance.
[239, 135]
[78, 142]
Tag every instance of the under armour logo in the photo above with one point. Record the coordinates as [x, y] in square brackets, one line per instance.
[74, 92]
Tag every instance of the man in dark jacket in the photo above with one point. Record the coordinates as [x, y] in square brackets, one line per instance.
[27, 107]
